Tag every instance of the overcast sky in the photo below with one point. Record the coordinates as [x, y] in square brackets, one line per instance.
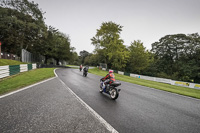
[145, 20]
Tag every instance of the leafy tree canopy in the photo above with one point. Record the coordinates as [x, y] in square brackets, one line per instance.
[177, 56]
[109, 45]
[139, 57]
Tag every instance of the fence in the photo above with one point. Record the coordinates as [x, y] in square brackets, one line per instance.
[162, 80]
[36, 58]
[103, 65]
[6, 71]
[31, 58]
[26, 57]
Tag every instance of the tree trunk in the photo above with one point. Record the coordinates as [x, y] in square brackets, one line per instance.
[57, 61]
[21, 47]
[196, 79]
[46, 58]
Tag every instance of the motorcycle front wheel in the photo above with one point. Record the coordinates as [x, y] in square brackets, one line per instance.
[101, 89]
[83, 74]
[114, 94]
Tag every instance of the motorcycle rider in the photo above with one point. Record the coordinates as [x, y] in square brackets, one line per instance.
[108, 79]
[81, 67]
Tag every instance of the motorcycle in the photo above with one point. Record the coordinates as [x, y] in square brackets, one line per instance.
[85, 72]
[111, 90]
[80, 68]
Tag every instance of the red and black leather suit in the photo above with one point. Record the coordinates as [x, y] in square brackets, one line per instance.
[109, 78]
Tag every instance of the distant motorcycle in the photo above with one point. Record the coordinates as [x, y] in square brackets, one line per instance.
[112, 90]
[85, 72]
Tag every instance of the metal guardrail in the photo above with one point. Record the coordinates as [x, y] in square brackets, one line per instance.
[6, 71]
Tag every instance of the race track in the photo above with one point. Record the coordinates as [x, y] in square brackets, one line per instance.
[138, 109]
[50, 106]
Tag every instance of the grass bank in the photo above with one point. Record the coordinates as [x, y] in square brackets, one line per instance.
[4, 62]
[152, 84]
[24, 79]
[73, 66]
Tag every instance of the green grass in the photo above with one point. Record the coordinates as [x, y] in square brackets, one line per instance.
[152, 84]
[4, 62]
[24, 79]
[72, 65]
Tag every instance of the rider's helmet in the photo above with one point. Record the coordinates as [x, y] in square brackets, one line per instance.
[110, 71]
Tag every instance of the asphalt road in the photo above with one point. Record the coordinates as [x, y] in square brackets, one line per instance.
[46, 108]
[51, 107]
[138, 109]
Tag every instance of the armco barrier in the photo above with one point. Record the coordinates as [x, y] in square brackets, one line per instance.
[146, 77]
[30, 67]
[6, 71]
[34, 66]
[14, 69]
[115, 71]
[162, 80]
[197, 86]
[133, 75]
[186, 84]
[119, 72]
[23, 67]
[127, 74]
[104, 69]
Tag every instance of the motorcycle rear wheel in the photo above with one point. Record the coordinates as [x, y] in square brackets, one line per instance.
[114, 94]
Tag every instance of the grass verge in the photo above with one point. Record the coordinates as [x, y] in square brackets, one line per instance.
[152, 84]
[24, 79]
[4, 62]
[73, 66]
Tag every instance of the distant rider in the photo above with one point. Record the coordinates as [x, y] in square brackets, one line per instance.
[81, 67]
[108, 79]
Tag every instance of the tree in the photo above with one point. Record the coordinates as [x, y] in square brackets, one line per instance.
[83, 55]
[176, 56]
[61, 50]
[91, 60]
[56, 45]
[139, 57]
[21, 26]
[108, 44]
[73, 57]
[196, 72]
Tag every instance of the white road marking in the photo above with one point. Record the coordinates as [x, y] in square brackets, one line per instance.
[95, 114]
